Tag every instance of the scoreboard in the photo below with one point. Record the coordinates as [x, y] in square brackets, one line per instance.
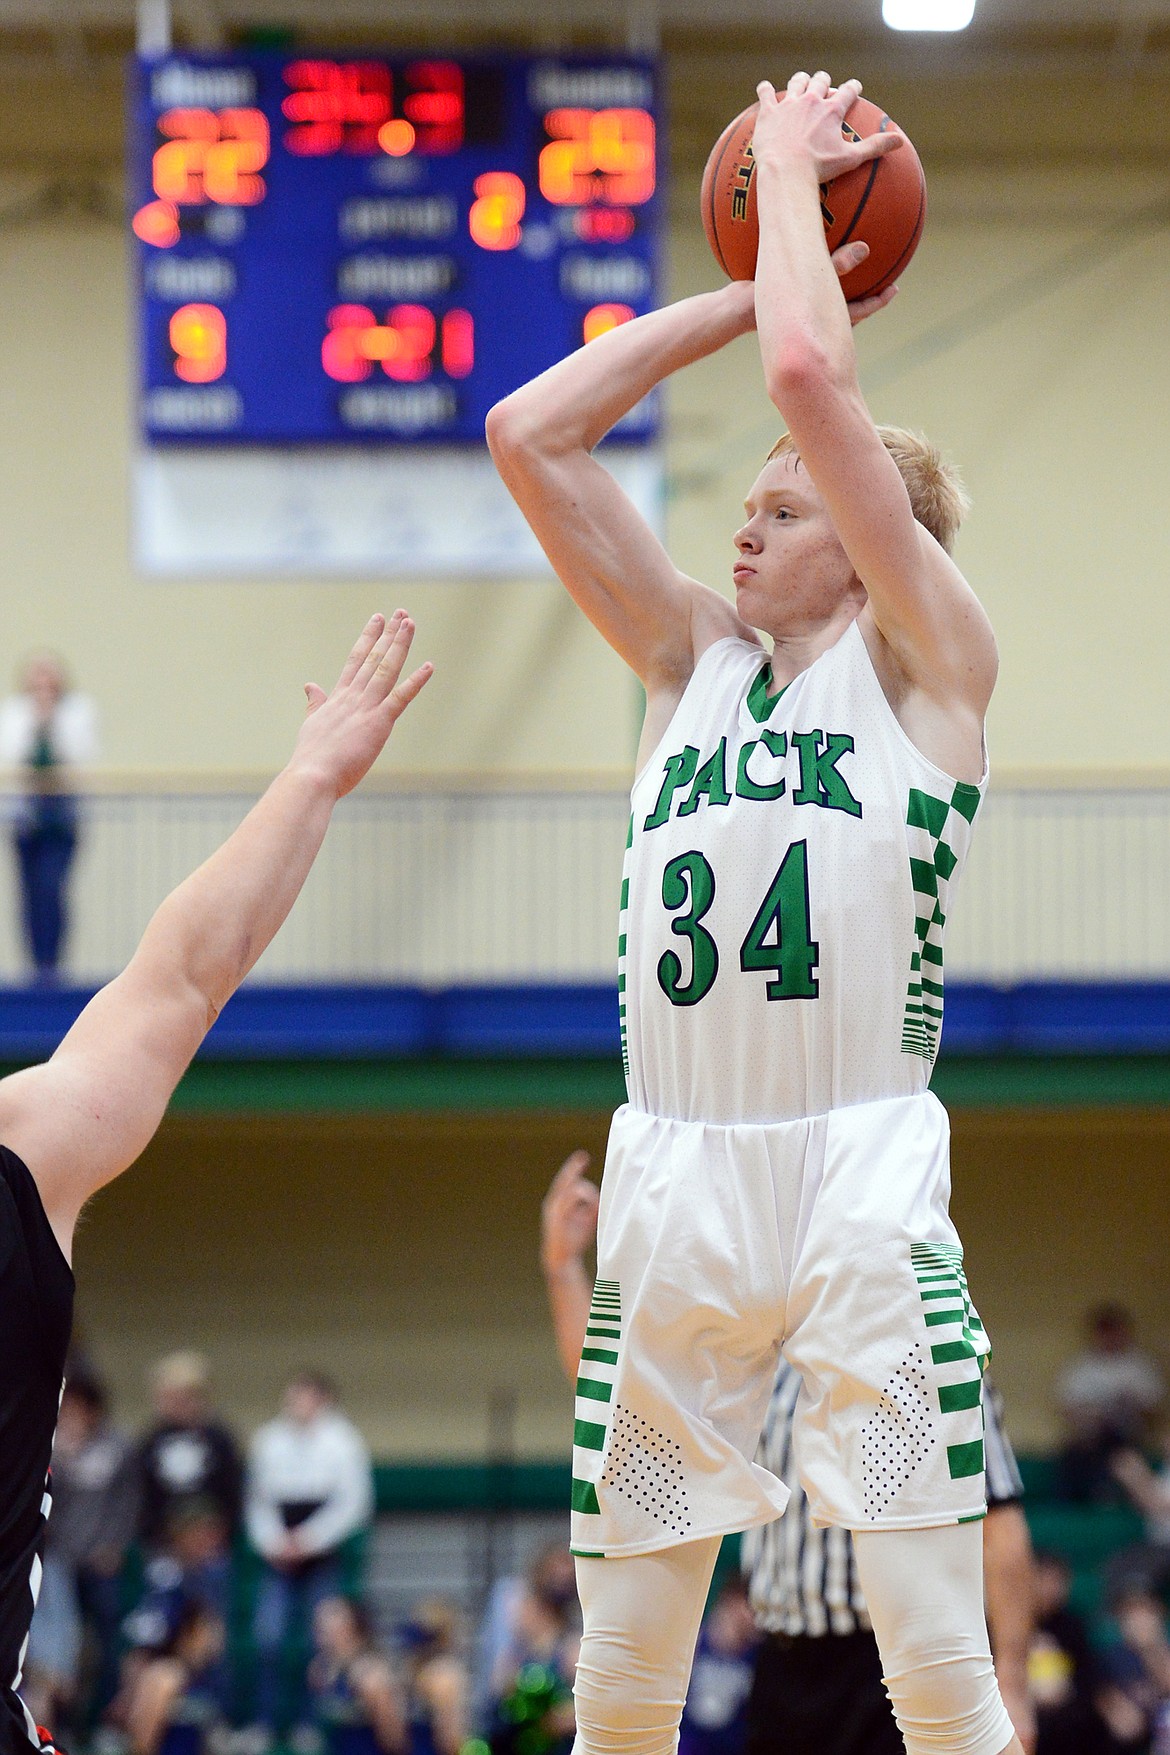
[376, 248]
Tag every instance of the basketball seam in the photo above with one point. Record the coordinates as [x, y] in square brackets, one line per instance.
[860, 208]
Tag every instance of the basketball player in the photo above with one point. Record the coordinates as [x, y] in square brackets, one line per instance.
[70, 1126]
[779, 1176]
[817, 1687]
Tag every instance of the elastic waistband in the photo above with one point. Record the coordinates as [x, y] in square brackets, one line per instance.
[922, 1098]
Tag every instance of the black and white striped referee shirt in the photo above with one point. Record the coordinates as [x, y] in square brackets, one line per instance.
[802, 1580]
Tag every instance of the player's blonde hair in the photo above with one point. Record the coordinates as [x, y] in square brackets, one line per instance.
[938, 498]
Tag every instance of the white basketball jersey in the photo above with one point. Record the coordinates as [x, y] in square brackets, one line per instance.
[790, 868]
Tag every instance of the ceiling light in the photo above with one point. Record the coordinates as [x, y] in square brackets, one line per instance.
[928, 14]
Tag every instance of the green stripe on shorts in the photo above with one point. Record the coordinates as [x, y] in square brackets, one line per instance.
[965, 1459]
[585, 1498]
[954, 1396]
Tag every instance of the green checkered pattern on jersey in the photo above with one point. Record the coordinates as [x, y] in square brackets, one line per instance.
[938, 832]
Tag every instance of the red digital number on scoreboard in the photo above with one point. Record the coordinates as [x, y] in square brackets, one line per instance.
[198, 338]
[211, 155]
[408, 345]
[348, 106]
[598, 155]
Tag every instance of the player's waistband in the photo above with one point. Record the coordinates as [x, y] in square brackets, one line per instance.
[876, 1106]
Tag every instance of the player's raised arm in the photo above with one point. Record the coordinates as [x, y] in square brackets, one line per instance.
[85, 1115]
[606, 554]
[920, 603]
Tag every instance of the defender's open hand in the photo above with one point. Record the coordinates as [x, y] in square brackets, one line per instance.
[345, 730]
[568, 1216]
[808, 124]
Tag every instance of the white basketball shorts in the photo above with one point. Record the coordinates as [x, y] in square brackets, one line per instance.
[717, 1246]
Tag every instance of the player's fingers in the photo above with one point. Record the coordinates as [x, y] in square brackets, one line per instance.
[390, 653]
[820, 83]
[361, 649]
[849, 257]
[403, 693]
[373, 674]
[314, 695]
[567, 1178]
[797, 84]
[877, 145]
[847, 95]
[860, 309]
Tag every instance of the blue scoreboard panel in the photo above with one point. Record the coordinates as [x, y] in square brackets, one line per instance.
[377, 248]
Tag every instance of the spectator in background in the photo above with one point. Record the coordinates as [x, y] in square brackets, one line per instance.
[95, 1505]
[530, 1690]
[1139, 1664]
[1147, 1564]
[1061, 1665]
[1107, 1396]
[714, 1720]
[436, 1679]
[47, 730]
[168, 1707]
[309, 1490]
[357, 1704]
[193, 1564]
[188, 1455]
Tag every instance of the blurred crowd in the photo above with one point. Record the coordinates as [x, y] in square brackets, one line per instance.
[203, 1598]
[200, 1599]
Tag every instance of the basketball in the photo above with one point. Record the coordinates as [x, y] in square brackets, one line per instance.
[883, 203]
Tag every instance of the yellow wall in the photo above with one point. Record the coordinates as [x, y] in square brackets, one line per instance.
[1056, 401]
[401, 1252]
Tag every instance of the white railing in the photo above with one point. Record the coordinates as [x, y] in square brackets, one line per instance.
[458, 883]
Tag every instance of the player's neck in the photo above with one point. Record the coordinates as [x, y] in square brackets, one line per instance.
[795, 648]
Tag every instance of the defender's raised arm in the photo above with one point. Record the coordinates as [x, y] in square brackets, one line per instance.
[86, 1114]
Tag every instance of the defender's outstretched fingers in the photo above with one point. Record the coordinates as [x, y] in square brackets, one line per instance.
[361, 647]
[403, 693]
[393, 657]
[373, 658]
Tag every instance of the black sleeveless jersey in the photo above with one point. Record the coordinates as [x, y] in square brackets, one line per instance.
[36, 1312]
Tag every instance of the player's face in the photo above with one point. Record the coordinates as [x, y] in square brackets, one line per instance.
[792, 572]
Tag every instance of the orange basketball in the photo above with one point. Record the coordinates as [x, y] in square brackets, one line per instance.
[882, 202]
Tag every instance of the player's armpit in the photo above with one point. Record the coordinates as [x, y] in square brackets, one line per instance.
[601, 548]
[86, 1114]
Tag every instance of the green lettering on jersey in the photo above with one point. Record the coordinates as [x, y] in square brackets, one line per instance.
[776, 744]
[679, 772]
[820, 782]
[710, 783]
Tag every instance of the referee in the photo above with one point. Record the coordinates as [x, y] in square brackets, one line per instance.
[818, 1687]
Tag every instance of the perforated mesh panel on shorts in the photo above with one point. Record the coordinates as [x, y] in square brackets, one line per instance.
[646, 1467]
[899, 1436]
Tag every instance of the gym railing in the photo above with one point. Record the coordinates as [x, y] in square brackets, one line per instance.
[438, 882]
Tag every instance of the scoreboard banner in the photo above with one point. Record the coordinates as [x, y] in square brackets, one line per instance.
[374, 249]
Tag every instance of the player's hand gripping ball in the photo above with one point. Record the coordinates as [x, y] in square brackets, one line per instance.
[882, 202]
